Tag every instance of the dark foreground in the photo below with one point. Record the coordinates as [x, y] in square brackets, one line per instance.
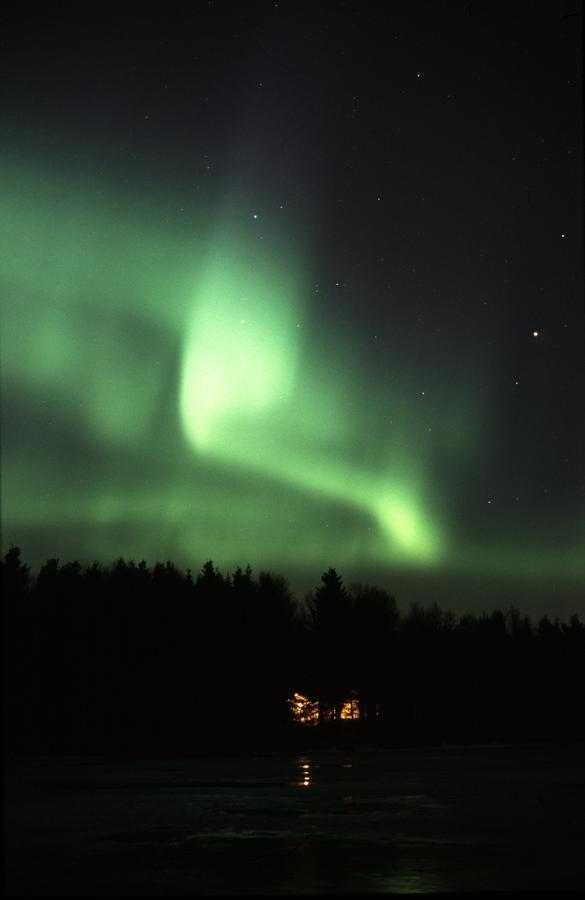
[408, 821]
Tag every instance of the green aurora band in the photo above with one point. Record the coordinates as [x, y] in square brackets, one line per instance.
[243, 402]
[169, 392]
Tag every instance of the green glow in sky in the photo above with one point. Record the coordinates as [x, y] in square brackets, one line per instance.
[169, 391]
[244, 401]
[240, 346]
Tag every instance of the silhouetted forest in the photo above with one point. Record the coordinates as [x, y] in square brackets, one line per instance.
[132, 659]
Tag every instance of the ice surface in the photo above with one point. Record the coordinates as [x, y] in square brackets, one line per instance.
[497, 818]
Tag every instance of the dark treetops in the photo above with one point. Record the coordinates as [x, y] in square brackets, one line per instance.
[139, 659]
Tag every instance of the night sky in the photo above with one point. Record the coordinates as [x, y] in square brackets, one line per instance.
[300, 285]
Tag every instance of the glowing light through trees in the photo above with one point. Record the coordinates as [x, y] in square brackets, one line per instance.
[305, 711]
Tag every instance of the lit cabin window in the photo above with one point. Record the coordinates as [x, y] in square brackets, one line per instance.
[350, 709]
[305, 711]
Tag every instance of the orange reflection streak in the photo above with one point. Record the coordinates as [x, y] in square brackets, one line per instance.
[304, 775]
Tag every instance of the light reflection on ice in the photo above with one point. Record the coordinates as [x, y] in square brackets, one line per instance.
[407, 822]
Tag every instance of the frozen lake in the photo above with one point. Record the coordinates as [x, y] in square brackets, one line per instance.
[497, 818]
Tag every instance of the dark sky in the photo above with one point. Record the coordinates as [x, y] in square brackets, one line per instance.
[299, 284]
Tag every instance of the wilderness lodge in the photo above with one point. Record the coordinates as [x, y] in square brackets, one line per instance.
[104, 659]
[305, 711]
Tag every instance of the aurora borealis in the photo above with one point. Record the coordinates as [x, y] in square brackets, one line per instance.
[257, 307]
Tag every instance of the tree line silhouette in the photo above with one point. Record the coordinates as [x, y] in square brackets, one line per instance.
[139, 659]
